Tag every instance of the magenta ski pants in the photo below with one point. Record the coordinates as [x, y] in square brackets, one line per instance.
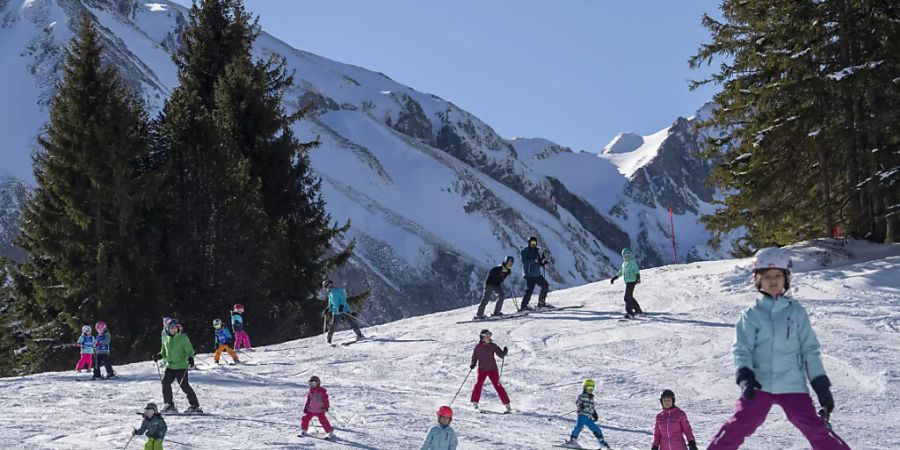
[799, 409]
[241, 340]
[85, 361]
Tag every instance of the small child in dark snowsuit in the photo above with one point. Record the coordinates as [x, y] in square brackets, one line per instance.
[153, 426]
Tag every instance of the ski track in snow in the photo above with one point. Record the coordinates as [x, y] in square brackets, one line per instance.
[384, 391]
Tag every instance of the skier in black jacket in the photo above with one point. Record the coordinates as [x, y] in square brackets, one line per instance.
[493, 285]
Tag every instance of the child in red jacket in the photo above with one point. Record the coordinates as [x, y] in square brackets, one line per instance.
[316, 406]
[670, 425]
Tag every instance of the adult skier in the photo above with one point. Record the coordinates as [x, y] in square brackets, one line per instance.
[533, 261]
[176, 349]
[494, 286]
[339, 309]
[483, 357]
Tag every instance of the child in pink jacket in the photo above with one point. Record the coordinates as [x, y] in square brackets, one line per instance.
[672, 426]
[316, 406]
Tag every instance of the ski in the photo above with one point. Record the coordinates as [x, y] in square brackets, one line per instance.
[521, 314]
[99, 379]
[317, 436]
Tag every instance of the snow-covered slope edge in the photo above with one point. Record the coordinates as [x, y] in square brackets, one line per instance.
[384, 392]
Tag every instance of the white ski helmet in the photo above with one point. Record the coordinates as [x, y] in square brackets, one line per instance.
[86, 329]
[772, 258]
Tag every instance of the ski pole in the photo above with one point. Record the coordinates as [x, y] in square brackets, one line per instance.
[243, 353]
[502, 362]
[176, 442]
[129, 441]
[342, 423]
[460, 387]
[157, 371]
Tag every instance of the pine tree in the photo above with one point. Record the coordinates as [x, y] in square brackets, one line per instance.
[82, 222]
[797, 120]
[228, 118]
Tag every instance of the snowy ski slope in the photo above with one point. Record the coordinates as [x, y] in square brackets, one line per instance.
[384, 391]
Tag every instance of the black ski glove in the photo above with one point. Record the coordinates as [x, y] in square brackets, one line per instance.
[654, 447]
[191, 362]
[341, 308]
[692, 445]
[638, 279]
[156, 357]
[505, 351]
[472, 366]
[747, 380]
[613, 280]
[595, 416]
[822, 386]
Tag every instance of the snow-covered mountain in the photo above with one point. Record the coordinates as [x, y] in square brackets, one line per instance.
[435, 195]
[384, 392]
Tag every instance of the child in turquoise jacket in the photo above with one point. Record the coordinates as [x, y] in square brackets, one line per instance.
[632, 275]
[775, 352]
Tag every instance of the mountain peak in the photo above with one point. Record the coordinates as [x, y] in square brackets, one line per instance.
[623, 143]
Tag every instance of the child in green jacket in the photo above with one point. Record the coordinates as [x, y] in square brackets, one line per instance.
[632, 275]
[153, 426]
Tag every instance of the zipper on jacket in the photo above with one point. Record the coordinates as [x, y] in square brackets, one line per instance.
[789, 328]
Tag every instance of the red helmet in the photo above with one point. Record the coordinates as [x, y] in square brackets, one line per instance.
[238, 307]
[445, 411]
[100, 326]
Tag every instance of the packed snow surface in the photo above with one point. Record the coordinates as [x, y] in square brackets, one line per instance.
[385, 391]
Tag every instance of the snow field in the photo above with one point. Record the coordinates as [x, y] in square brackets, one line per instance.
[385, 391]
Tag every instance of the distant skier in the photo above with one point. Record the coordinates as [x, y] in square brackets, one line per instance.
[776, 351]
[441, 436]
[154, 426]
[483, 357]
[494, 286]
[86, 342]
[587, 416]
[221, 340]
[316, 406]
[241, 339]
[533, 261]
[176, 351]
[632, 274]
[671, 426]
[165, 328]
[339, 309]
[102, 351]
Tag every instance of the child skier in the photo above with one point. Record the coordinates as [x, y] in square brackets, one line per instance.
[86, 341]
[494, 286]
[165, 330]
[241, 339]
[222, 338]
[153, 426]
[316, 406]
[775, 352]
[671, 426]
[587, 416]
[339, 309]
[441, 436]
[483, 356]
[102, 351]
[632, 275]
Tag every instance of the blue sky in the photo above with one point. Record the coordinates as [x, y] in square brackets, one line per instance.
[574, 71]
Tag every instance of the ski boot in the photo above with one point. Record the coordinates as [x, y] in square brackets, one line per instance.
[628, 316]
[508, 408]
[303, 433]
[600, 441]
[169, 408]
[526, 308]
[497, 314]
[328, 436]
[572, 443]
[194, 410]
[481, 317]
[475, 406]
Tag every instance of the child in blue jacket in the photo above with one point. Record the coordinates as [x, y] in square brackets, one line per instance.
[86, 342]
[222, 338]
[775, 352]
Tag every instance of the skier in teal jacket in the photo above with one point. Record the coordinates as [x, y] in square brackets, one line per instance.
[339, 309]
[632, 275]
